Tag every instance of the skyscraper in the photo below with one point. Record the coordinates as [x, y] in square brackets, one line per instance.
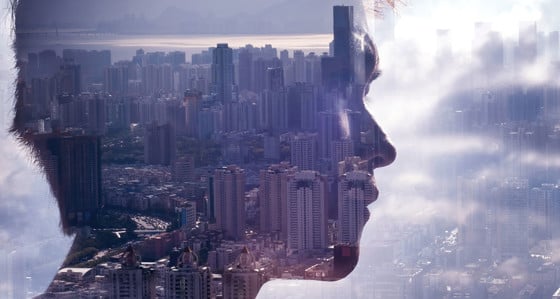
[245, 69]
[303, 150]
[229, 203]
[355, 193]
[307, 212]
[159, 144]
[274, 78]
[222, 73]
[274, 105]
[330, 130]
[273, 199]
[299, 66]
[192, 102]
[313, 69]
[96, 114]
[302, 98]
[73, 167]
[343, 24]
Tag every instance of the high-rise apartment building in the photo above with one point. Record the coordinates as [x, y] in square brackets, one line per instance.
[303, 151]
[313, 69]
[271, 148]
[96, 114]
[187, 279]
[285, 57]
[330, 130]
[73, 168]
[273, 193]
[69, 79]
[92, 63]
[131, 279]
[187, 215]
[245, 67]
[340, 150]
[355, 193]
[274, 78]
[259, 70]
[229, 203]
[159, 144]
[303, 106]
[242, 280]
[299, 66]
[43, 91]
[183, 169]
[192, 101]
[273, 112]
[115, 80]
[307, 212]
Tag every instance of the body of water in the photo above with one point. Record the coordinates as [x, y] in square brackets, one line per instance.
[123, 47]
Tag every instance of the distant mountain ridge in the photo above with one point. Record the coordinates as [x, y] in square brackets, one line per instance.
[180, 17]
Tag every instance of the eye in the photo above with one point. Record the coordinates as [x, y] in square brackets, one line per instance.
[371, 59]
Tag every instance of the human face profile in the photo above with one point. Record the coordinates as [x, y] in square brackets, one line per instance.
[253, 157]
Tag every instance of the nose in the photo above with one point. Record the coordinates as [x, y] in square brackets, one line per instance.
[377, 148]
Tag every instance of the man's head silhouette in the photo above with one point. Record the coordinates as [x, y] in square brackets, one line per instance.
[350, 144]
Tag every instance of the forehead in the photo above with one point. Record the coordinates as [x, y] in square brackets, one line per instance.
[271, 16]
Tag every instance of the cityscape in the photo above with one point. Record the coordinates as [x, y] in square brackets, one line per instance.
[208, 176]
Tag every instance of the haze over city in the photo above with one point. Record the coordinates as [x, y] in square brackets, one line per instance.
[474, 119]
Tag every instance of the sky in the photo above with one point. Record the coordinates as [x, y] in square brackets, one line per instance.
[402, 100]
[212, 16]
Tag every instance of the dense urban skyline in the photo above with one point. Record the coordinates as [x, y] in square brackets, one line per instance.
[475, 188]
